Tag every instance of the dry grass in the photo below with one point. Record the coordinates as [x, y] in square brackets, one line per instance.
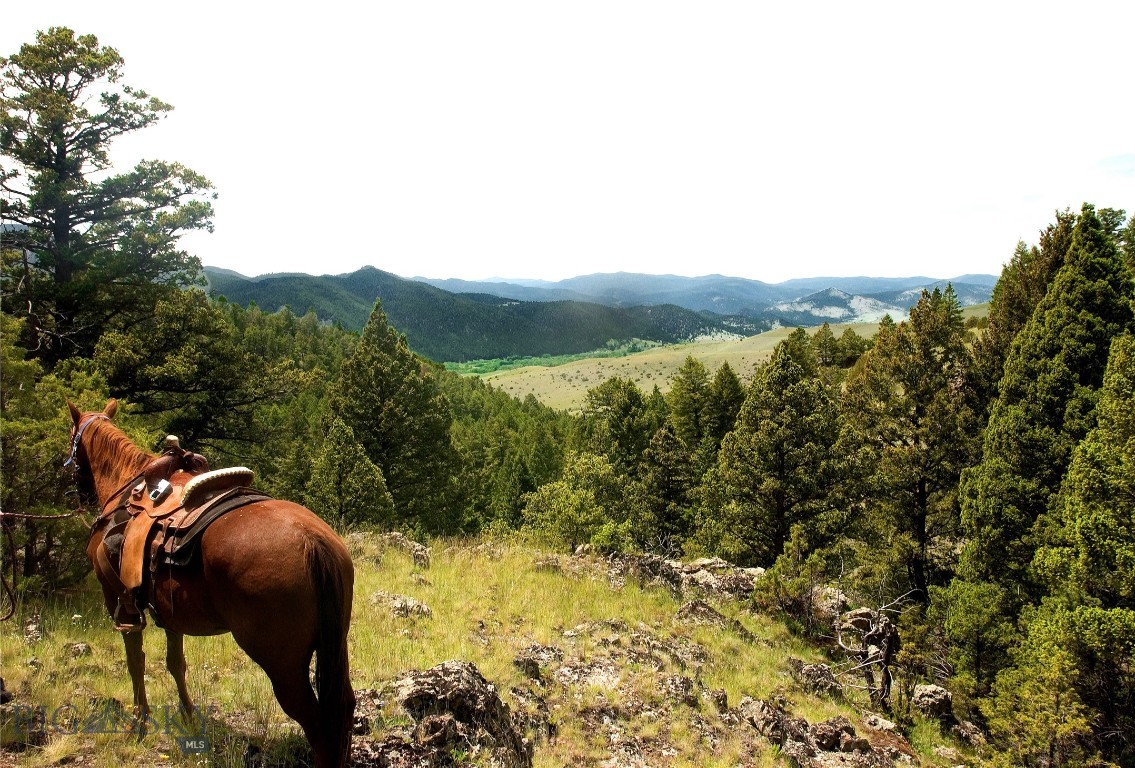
[565, 386]
[488, 602]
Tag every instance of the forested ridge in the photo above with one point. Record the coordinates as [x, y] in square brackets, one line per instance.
[448, 327]
[978, 480]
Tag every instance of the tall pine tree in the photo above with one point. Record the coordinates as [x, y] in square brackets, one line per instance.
[1046, 405]
[390, 401]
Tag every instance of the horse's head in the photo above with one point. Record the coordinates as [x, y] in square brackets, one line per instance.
[77, 463]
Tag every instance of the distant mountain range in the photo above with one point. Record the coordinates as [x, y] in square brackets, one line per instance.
[458, 320]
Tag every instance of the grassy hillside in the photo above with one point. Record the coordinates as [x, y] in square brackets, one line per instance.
[565, 386]
[488, 602]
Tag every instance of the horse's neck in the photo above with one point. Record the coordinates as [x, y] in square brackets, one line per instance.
[114, 461]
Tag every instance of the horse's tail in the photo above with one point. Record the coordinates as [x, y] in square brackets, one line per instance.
[333, 577]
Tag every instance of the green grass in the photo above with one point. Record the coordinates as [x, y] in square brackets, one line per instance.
[613, 349]
[488, 601]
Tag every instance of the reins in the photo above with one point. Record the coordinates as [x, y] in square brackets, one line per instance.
[8, 585]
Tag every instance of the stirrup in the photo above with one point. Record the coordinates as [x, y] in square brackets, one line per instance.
[130, 619]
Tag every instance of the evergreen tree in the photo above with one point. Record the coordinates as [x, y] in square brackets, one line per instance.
[392, 404]
[617, 423]
[825, 345]
[346, 488]
[661, 499]
[97, 250]
[724, 399]
[687, 399]
[187, 366]
[1087, 561]
[1023, 283]
[906, 407]
[777, 467]
[1045, 406]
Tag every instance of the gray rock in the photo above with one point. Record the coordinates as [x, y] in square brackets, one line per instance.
[933, 701]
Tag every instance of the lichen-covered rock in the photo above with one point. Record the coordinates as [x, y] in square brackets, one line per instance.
[402, 605]
[456, 709]
[815, 678]
[700, 612]
[534, 658]
[933, 701]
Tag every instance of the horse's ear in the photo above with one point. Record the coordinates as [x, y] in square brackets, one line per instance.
[76, 414]
[111, 408]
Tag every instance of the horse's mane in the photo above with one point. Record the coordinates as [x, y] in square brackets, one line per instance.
[118, 456]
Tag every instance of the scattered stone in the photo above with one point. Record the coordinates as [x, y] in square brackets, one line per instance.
[948, 753]
[78, 650]
[933, 701]
[878, 723]
[532, 714]
[33, 629]
[700, 612]
[719, 697]
[680, 689]
[549, 564]
[401, 605]
[419, 552]
[602, 673]
[815, 678]
[969, 733]
[368, 711]
[456, 709]
[646, 570]
[828, 604]
[532, 659]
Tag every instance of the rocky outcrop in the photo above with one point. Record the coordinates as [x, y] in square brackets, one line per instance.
[698, 612]
[458, 718]
[708, 576]
[401, 605]
[933, 701]
[817, 679]
[812, 745]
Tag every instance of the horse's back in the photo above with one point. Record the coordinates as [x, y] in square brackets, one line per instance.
[259, 575]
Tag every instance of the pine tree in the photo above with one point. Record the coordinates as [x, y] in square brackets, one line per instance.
[777, 467]
[618, 423]
[906, 407]
[346, 488]
[1087, 560]
[661, 498]
[724, 399]
[97, 249]
[1023, 283]
[392, 404]
[1046, 404]
[689, 389]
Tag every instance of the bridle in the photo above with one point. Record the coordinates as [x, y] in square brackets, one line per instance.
[80, 469]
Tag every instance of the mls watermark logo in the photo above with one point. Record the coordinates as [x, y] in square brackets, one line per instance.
[188, 730]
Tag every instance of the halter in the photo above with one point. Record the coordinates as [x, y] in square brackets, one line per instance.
[72, 464]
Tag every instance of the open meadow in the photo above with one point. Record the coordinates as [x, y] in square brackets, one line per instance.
[619, 670]
[565, 386]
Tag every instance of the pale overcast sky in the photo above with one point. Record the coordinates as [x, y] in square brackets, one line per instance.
[531, 139]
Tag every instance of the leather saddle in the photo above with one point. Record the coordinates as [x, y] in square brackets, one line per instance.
[157, 519]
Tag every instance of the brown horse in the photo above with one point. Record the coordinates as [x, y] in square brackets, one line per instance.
[272, 573]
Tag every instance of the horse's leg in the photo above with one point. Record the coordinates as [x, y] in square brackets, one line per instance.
[175, 663]
[136, 665]
[293, 690]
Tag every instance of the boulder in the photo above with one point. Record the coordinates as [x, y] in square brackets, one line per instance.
[933, 701]
[402, 605]
[815, 678]
[456, 709]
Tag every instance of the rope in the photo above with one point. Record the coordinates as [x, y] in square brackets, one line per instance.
[8, 586]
